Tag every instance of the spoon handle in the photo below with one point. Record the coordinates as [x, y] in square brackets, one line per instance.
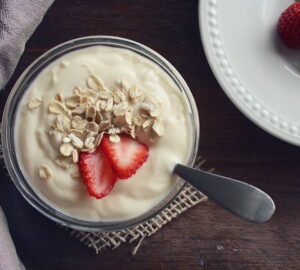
[241, 199]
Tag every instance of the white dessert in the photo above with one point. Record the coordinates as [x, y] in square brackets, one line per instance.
[37, 149]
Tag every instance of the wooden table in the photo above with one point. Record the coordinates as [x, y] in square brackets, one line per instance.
[205, 237]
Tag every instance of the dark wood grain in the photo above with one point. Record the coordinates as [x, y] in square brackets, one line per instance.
[206, 237]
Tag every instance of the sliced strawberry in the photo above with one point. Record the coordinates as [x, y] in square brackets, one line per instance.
[96, 173]
[126, 156]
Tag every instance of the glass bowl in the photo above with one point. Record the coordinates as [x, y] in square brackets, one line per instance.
[21, 86]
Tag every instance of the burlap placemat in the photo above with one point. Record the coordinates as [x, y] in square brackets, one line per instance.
[186, 199]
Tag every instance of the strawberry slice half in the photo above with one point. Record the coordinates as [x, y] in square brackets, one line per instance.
[96, 173]
[126, 156]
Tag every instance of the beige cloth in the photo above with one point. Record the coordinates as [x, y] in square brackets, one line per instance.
[8, 256]
[18, 20]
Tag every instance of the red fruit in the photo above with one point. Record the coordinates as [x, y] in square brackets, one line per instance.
[126, 156]
[289, 26]
[96, 173]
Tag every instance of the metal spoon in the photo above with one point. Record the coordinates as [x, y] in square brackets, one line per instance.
[241, 199]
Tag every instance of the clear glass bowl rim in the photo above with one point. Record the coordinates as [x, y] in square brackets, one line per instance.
[8, 119]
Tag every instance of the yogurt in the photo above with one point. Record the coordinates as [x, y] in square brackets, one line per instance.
[36, 148]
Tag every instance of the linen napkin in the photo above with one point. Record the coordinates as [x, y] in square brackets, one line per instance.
[8, 256]
[18, 20]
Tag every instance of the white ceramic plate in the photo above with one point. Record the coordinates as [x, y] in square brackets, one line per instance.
[258, 73]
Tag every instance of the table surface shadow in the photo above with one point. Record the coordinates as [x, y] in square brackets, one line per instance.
[205, 237]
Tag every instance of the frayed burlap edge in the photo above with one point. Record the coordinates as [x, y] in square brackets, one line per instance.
[186, 199]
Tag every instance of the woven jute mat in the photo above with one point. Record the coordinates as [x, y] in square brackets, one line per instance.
[99, 241]
[185, 200]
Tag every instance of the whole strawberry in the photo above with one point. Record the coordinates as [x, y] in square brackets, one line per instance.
[289, 26]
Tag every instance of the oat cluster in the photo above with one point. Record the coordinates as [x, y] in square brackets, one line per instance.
[89, 112]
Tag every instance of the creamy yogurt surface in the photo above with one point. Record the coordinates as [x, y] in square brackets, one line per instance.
[129, 198]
